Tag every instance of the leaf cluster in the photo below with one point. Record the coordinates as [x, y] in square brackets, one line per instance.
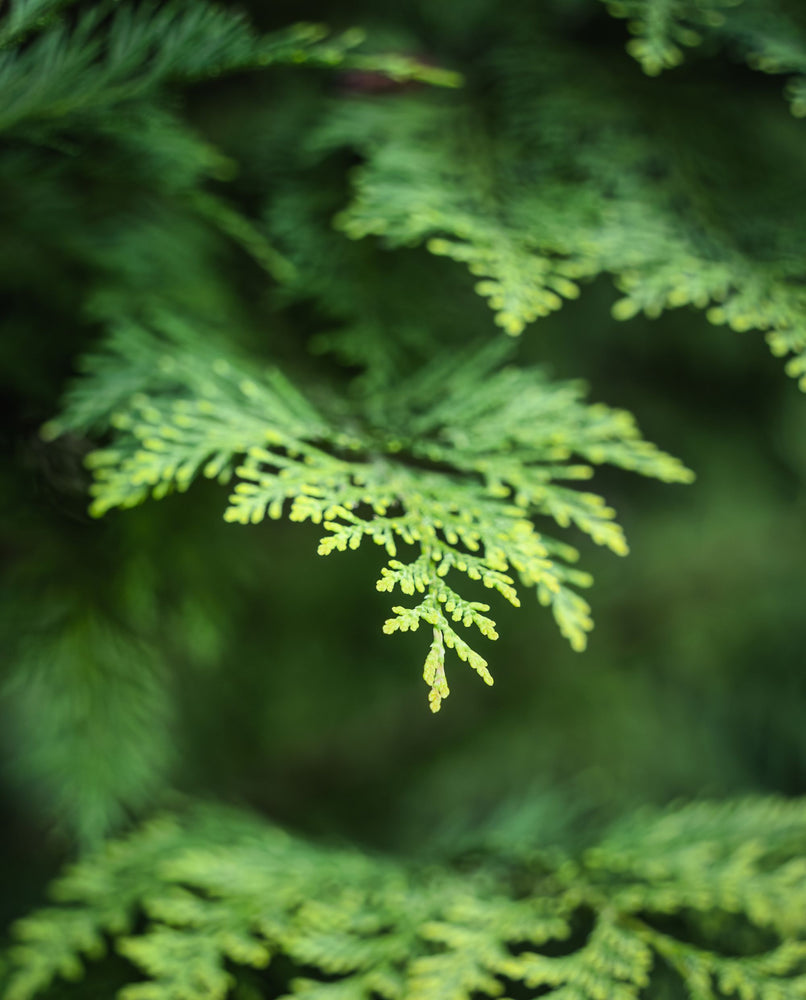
[714, 894]
[452, 482]
[463, 467]
[556, 177]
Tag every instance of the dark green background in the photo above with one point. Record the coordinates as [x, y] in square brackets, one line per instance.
[288, 696]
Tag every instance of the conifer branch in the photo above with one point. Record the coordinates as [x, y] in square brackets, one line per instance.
[192, 901]
[531, 237]
[458, 479]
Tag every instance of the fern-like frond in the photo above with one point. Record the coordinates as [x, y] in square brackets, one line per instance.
[664, 28]
[737, 848]
[432, 177]
[114, 53]
[769, 36]
[100, 61]
[563, 183]
[448, 483]
[614, 963]
[192, 901]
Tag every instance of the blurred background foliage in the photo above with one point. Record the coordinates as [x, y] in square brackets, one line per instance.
[246, 668]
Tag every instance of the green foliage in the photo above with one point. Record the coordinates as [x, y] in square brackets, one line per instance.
[661, 27]
[771, 37]
[564, 177]
[222, 892]
[105, 77]
[458, 475]
[115, 53]
[91, 720]
[249, 268]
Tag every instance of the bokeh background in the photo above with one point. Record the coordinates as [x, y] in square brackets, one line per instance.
[253, 670]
